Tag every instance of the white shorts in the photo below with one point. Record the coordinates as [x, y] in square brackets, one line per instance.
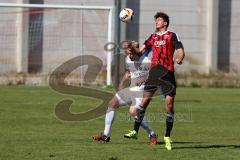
[130, 95]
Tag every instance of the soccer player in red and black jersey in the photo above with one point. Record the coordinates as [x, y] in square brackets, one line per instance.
[161, 75]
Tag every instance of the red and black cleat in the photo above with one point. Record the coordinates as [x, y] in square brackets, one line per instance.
[153, 139]
[101, 137]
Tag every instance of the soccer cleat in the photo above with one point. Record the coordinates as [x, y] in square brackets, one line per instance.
[153, 139]
[101, 137]
[131, 135]
[168, 142]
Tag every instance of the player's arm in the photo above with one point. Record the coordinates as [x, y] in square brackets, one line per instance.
[179, 47]
[125, 81]
[140, 50]
[180, 55]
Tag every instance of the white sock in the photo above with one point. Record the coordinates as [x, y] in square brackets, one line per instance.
[110, 114]
[145, 125]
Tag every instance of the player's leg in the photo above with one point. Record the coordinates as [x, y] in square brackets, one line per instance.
[144, 125]
[136, 99]
[151, 85]
[133, 112]
[110, 115]
[121, 98]
[109, 118]
[132, 134]
[170, 115]
[169, 109]
[140, 112]
[169, 121]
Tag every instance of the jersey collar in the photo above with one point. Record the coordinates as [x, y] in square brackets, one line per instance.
[162, 33]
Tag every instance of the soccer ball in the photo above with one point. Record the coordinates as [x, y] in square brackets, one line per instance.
[126, 15]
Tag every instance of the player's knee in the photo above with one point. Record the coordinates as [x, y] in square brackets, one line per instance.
[110, 104]
[133, 114]
[113, 103]
[109, 109]
[169, 104]
[132, 111]
[169, 101]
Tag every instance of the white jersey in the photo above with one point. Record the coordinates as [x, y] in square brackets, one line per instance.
[138, 69]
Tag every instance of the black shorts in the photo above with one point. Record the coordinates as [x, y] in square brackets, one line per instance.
[162, 79]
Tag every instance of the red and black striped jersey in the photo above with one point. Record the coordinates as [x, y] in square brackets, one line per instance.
[163, 47]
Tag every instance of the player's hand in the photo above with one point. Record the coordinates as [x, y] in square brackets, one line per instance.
[140, 82]
[129, 51]
[133, 47]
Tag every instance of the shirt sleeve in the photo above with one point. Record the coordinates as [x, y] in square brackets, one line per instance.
[149, 42]
[177, 42]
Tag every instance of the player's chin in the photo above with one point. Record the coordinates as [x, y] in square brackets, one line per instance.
[131, 58]
[158, 27]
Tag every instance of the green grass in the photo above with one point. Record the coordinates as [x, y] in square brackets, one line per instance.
[207, 127]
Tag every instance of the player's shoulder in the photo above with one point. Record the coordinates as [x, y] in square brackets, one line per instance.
[152, 35]
[127, 59]
[172, 32]
[174, 35]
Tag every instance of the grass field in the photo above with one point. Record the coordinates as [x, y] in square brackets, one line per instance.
[207, 127]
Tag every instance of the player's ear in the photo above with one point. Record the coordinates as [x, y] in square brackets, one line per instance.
[165, 23]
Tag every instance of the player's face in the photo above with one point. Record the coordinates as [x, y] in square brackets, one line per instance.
[160, 23]
[133, 57]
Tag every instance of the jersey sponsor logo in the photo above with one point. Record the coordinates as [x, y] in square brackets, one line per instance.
[159, 43]
[138, 74]
[144, 68]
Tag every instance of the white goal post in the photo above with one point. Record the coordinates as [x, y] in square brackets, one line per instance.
[110, 27]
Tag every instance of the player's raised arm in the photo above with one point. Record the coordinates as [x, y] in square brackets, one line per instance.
[142, 49]
[134, 48]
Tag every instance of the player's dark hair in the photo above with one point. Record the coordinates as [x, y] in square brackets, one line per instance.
[164, 16]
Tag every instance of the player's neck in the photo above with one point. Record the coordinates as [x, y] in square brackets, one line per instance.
[161, 31]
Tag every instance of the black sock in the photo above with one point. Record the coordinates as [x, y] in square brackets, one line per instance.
[169, 124]
[138, 119]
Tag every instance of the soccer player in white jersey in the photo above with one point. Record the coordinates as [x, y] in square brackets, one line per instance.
[137, 67]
